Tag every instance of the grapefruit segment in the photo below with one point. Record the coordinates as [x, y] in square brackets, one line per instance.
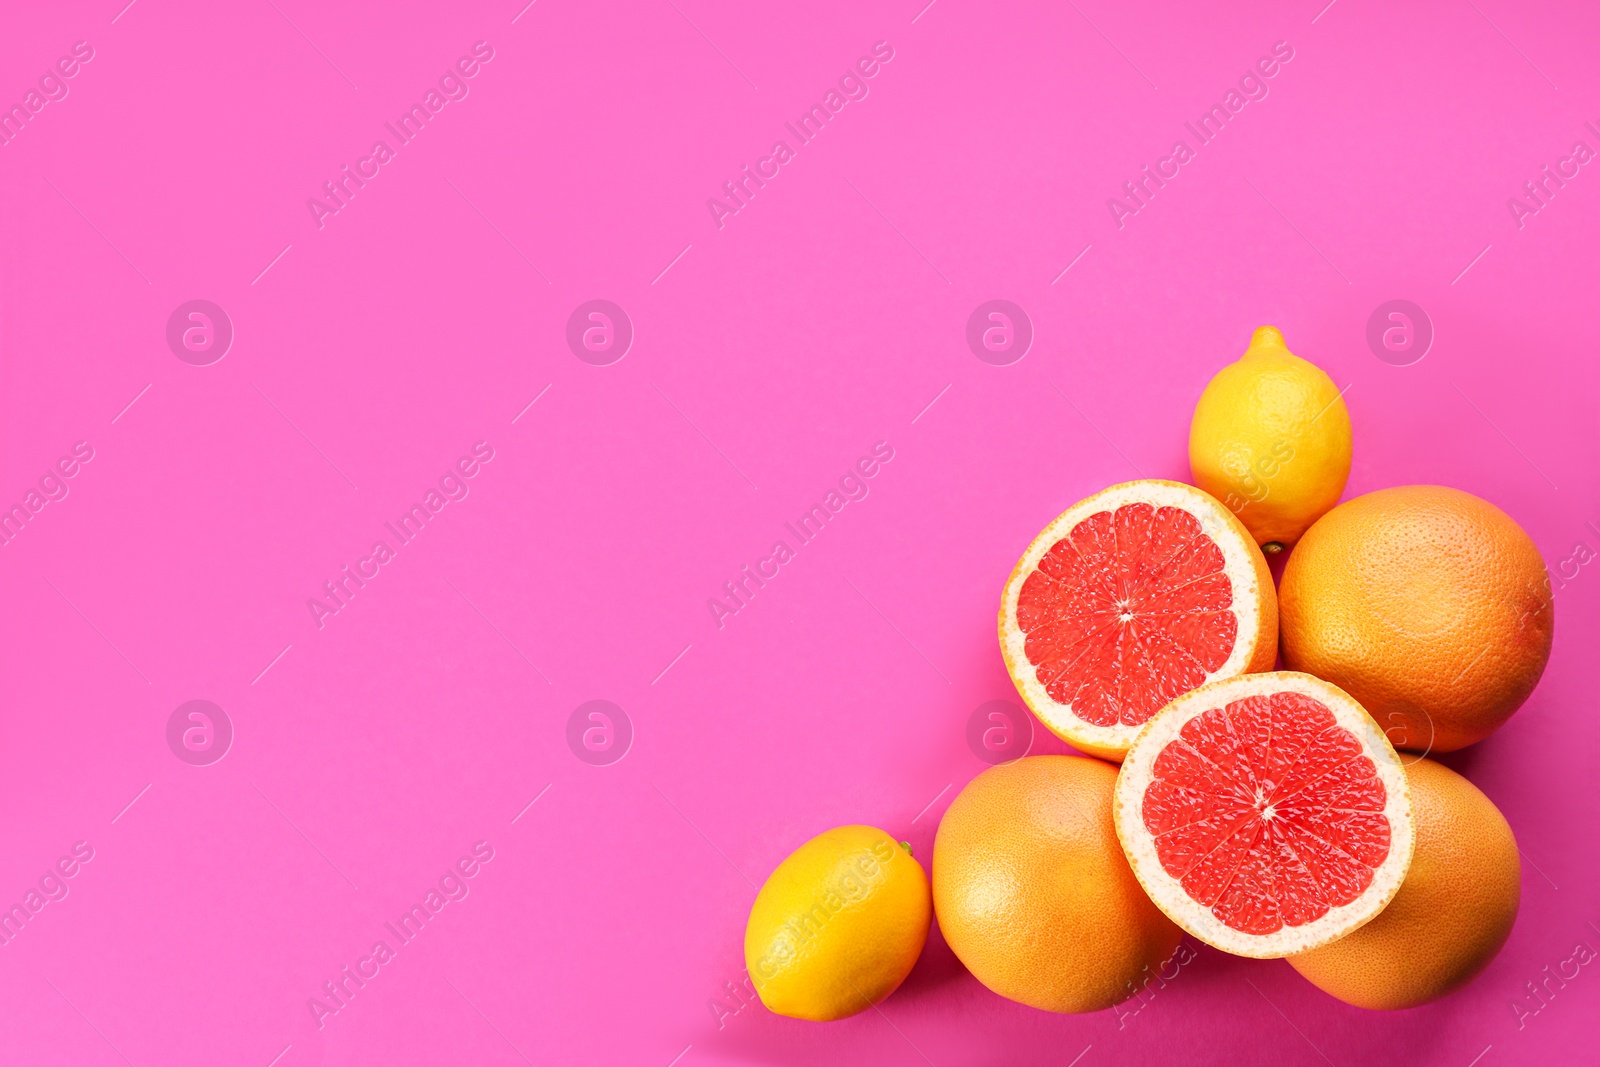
[1451, 916]
[1266, 814]
[1128, 599]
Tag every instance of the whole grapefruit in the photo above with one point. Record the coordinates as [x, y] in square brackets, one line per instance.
[1453, 912]
[1034, 894]
[1429, 605]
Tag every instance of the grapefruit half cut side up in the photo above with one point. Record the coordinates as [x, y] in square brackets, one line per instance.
[1267, 815]
[1128, 599]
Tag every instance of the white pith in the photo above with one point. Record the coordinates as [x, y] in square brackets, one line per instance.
[1237, 564]
[1168, 893]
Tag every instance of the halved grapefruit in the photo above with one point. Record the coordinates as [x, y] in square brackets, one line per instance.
[1267, 814]
[1128, 599]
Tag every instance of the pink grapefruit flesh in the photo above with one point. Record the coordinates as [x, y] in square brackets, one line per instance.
[1129, 599]
[1266, 812]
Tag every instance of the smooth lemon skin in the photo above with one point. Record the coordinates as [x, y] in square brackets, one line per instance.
[1271, 440]
[838, 926]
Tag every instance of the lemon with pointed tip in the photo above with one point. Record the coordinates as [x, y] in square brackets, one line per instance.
[839, 925]
[1271, 440]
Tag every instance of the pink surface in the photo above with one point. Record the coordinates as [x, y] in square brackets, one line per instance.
[375, 747]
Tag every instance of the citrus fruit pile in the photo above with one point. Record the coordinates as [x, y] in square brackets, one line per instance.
[1267, 813]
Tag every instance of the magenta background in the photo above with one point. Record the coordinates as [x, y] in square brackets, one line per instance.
[794, 338]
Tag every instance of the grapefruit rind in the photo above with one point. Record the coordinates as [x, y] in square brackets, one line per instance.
[1168, 893]
[1255, 604]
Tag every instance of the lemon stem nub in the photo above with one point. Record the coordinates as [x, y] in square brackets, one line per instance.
[1272, 548]
[907, 846]
[1266, 340]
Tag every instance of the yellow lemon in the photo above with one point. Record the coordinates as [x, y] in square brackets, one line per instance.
[838, 925]
[1271, 440]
